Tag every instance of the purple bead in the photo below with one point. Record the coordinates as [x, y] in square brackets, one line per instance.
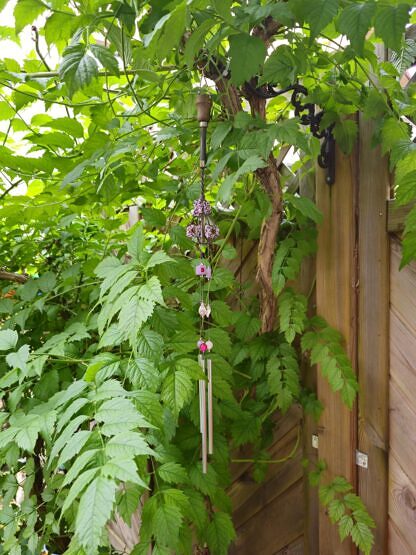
[211, 232]
[201, 207]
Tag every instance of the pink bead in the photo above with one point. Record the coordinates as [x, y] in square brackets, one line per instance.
[203, 347]
[201, 270]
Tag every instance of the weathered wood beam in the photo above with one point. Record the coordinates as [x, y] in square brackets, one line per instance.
[373, 327]
[397, 214]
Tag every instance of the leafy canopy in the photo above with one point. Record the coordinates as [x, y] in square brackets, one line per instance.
[97, 349]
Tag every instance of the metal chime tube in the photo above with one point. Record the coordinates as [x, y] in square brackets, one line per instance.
[203, 415]
[210, 413]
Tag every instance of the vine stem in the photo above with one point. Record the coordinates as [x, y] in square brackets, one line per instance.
[273, 461]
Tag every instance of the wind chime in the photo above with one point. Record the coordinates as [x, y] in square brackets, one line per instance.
[204, 231]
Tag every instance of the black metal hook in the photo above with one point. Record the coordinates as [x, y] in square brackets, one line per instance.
[307, 116]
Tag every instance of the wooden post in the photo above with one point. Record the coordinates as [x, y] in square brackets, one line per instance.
[373, 344]
[305, 286]
[336, 295]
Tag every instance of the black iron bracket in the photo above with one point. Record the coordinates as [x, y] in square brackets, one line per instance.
[307, 114]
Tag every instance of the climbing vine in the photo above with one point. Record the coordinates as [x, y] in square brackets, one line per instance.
[98, 378]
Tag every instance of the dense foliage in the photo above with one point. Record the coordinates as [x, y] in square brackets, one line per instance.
[97, 369]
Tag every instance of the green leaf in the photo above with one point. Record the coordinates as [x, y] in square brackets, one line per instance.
[345, 133]
[68, 125]
[132, 317]
[220, 533]
[166, 524]
[119, 412]
[19, 359]
[101, 367]
[251, 164]
[305, 207]
[196, 41]
[94, 511]
[25, 12]
[355, 21]
[106, 58]
[280, 67]
[77, 487]
[124, 470]
[167, 32]
[247, 55]
[151, 291]
[336, 510]
[177, 389]
[362, 537]
[149, 344]
[8, 339]
[127, 445]
[345, 525]
[78, 68]
[390, 23]
[79, 464]
[74, 446]
[173, 473]
[319, 13]
[157, 258]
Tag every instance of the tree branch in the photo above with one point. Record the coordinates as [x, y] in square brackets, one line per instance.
[10, 276]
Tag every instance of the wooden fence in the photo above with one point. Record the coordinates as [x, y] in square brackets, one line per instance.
[361, 292]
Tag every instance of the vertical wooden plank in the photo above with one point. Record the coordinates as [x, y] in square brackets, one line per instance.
[305, 286]
[336, 295]
[373, 343]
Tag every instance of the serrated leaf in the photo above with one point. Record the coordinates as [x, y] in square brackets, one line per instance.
[149, 344]
[74, 446]
[362, 537]
[157, 258]
[8, 339]
[280, 66]
[26, 12]
[336, 509]
[173, 473]
[177, 389]
[119, 412]
[124, 470]
[132, 317]
[127, 445]
[94, 511]
[151, 291]
[78, 68]
[345, 133]
[66, 434]
[220, 533]
[77, 487]
[319, 13]
[247, 54]
[79, 464]
[19, 358]
[166, 524]
[390, 23]
[106, 58]
[196, 40]
[355, 21]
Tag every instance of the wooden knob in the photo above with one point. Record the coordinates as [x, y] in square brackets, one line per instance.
[203, 107]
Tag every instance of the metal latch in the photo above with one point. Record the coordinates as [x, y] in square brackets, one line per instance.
[361, 459]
